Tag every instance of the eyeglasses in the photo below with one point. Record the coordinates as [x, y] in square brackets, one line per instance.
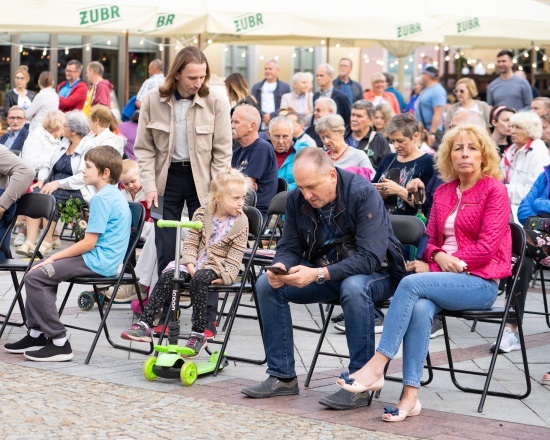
[16, 118]
[457, 91]
[70, 71]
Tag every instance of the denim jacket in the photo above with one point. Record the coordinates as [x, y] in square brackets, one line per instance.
[359, 212]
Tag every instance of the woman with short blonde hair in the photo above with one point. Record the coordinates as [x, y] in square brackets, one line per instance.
[466, 93]
[379, 95]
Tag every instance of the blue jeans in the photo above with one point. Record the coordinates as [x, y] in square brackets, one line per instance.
[357, 295]
[415, 302]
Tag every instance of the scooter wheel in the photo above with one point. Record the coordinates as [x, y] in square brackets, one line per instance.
[188, 374]
[148, 368]
[86, 301]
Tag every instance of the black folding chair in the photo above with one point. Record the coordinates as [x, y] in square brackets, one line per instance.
[282, 185]
[408, 230]
[33, 205]
[540, 269]
[127, 275]
[495, 314]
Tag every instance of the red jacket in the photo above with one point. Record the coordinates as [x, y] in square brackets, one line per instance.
[481, 227]
[76, 97]
[102, 94]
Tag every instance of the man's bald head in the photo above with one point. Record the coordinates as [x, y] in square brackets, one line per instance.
[468, 117]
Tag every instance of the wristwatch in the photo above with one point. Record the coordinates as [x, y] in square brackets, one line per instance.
[320, 276]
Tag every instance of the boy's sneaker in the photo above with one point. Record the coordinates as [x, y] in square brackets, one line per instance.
[210, 331]
[27, 343]
[158, 330]
[197, 342]
[437, 327]
[51, 353]
[509, 342]
[138, 332]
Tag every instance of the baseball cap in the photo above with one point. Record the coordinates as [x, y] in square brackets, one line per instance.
[431, 70]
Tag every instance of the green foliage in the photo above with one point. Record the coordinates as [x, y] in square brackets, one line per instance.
[71, 211]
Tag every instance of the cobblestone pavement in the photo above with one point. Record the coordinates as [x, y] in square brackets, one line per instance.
[39, 404]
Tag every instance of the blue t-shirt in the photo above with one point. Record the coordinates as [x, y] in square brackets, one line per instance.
[110, 217]
[258, 162]
[66, 89]
[431, 97]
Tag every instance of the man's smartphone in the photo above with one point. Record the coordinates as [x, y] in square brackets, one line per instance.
[157, 211]
[276, 269]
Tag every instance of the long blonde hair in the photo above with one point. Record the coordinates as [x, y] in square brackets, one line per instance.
[221, 184]
[490, 158]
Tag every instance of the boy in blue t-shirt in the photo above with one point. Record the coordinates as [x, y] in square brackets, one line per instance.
[100, 252]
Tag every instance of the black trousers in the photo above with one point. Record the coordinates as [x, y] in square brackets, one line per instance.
[180, 190]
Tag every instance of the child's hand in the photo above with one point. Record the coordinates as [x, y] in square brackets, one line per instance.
[48, 260]
[218, 281]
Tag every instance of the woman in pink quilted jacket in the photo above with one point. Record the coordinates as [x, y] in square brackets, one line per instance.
[469, 250]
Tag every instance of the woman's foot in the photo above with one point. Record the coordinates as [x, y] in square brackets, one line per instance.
[45, 248]
[352, 384]
[397, 414]
[25, 249]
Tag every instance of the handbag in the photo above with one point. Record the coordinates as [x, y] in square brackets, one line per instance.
[539, 223]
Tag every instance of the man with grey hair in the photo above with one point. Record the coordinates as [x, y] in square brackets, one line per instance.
[324, 75]
[361, 135]
[322, 107]
[269, 91]
[254, 157]
[540, 105]
[286, 146]
[343, 83]
[330, 206]
[298, 124]
[17, 134]
[156, 79]
[100, 89]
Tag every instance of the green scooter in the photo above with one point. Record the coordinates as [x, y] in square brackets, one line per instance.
[168, 363]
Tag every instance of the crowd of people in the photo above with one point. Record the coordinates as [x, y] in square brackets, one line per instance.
[349, 159]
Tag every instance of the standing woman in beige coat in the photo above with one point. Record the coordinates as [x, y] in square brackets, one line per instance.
[183, 142]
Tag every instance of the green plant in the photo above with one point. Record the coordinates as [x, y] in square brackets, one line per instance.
[76, 215]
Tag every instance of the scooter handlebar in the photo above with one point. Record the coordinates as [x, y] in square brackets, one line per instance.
[179, 224]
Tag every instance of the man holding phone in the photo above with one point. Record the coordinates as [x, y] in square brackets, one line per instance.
[335, 238]
[183, 142]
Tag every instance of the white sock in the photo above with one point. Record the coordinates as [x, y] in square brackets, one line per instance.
[59, 342]
[33, 333]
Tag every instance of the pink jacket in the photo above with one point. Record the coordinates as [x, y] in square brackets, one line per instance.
[481, 227]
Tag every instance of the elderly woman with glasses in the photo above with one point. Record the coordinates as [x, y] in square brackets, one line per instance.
[61, 176]
[525, 159]
[379, 95]
[466, 94]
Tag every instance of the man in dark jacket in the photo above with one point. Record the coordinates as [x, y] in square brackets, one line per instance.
[17, 134]
[323, 76]
[352, 89]
[268, 93]
[328, 207]
[360, 134]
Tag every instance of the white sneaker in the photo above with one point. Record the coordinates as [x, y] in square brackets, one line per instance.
[509, 342]
[19, 239]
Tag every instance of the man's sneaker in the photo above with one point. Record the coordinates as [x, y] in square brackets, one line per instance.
[210, 331]
[27, 343]
[197, 343]
[19, 239]
[138, 332]
[509, 342]
[51, 353]
[158, 330]
[437, 327]
[378, 324]
[127, 293]
[343, 399]
[272, 387]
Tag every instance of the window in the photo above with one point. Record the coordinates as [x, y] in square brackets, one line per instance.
[236, 60]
